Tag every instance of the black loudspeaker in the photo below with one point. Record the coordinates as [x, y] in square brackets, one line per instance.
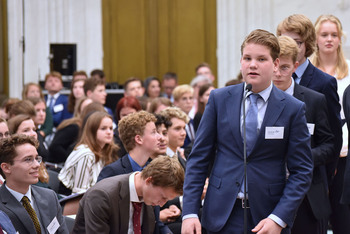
[63, 58]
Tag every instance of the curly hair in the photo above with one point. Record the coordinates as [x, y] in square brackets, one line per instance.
[132, 125]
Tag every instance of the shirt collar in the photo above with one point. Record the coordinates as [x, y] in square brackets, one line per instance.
[301, 68]
[134, 165]
[133, 194]
[265, 94]
[170, 153]
[290, 89]
[18, 195]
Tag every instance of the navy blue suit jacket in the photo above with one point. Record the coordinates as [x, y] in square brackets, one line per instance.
[119, 167]
[63, 114]
[322, 148]
[269, 190]
[313, 78]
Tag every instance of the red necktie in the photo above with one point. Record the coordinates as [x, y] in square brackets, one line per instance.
[136, 217]
[1, 232]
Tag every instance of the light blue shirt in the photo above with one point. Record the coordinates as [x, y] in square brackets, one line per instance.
[300, 70]
[134, 165]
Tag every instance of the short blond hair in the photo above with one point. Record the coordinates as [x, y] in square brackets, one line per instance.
[180, 90]
[264, 38]
[174, 112]
[288, 48]
[132, 125]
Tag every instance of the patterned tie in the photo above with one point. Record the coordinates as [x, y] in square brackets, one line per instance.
[252, 122]
[136, 217]
[32, 214]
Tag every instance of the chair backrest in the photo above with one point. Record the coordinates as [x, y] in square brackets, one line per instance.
[54, 182]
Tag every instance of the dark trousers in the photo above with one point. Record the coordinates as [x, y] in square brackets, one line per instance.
[235, 223]
[305, 221]
[340, 217]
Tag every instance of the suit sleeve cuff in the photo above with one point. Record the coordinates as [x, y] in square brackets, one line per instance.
[189, 216]
[277, 220]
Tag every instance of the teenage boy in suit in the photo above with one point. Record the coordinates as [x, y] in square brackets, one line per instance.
[57, 102]
[31, 209]
[277, 141]
[315, 208]
[118, 197]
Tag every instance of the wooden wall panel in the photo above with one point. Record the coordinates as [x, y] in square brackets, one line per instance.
[143, 38]
[4, 82]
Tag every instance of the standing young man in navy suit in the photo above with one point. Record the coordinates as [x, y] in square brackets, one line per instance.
[281, 143]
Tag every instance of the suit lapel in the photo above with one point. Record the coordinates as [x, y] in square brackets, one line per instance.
[233, 101]
[42, 208]
[298, 93]
[307, 76]
[274, 109]
[126, 164]
[124, 204]
[10, 202]
[148, 218]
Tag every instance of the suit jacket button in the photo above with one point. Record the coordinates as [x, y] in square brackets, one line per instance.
[237, 183]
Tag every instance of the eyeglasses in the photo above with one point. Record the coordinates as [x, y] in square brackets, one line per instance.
[299, 43]
[29, 160]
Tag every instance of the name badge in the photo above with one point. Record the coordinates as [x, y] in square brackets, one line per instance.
[53, 226]
[274, 132]
[58, 108]
[311, 128]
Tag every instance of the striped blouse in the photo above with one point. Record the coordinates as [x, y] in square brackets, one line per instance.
[80, 170]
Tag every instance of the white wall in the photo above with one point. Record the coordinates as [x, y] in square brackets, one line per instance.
[45, 22]
[237, 18]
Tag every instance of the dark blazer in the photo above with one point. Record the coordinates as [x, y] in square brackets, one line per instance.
[6, 224]
[268, 190]
[59, 116]
[42, 150]
[104, 208]
[345, 199]
[322, 148]
[319, 81]
[119, 167]
[47, 205]
[63, 143]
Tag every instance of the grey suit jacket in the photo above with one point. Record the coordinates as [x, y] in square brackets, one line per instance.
[105, 208]
[47, 205]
